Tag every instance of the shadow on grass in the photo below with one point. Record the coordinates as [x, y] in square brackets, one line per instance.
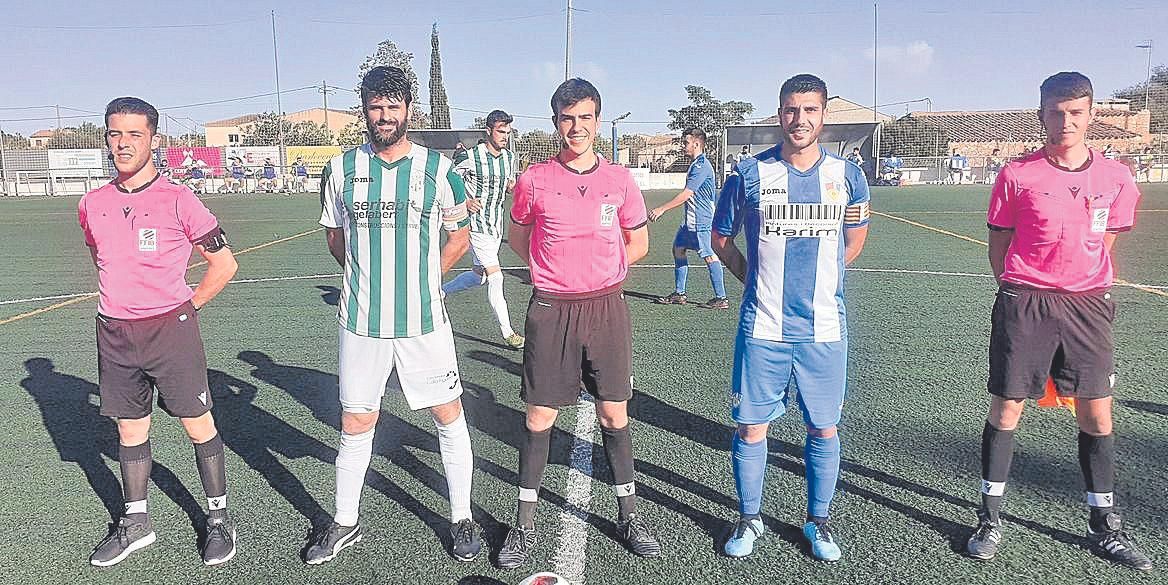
[318, 392]
[788, 456]
[506, 424]
[83, 436]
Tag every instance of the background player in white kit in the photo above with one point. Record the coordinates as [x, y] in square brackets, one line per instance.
[489, 174]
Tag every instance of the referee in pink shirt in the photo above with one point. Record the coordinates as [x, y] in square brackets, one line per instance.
[1053, 218]
[140, 230]
[578, 222]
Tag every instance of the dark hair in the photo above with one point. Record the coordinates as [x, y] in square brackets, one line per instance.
[696, 133]
[133, 105]
[386, 82]
[1063, 86]
[803, 83]
[574, 91]
[498, 117]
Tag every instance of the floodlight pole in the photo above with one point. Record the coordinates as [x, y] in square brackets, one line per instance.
[279, 106]
[615, 152]
[875, 54]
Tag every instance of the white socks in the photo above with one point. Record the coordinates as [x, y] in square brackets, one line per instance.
[468, 279]
[353, 457]
[498, 303]
[458, 461]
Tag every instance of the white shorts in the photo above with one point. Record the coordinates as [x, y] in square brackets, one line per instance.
[484, 248]
[426, 367]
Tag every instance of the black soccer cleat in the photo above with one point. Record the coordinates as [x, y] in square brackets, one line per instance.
[517, 547]
[467, 543]
[125, 537]
[639, 538]
[331, 541]
[984, 542]
[220, 544]
[1113, 543]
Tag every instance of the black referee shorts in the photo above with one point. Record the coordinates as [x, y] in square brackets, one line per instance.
[574, 340]
[135, 356]
[1067, 337]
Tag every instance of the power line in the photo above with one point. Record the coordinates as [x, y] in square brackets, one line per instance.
[238, 99]
[100, 27]
[383, 24]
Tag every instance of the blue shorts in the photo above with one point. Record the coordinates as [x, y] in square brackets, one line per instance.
[767, 373]
[694, 240]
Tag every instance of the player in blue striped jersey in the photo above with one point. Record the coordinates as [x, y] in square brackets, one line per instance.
[694, 231]
[805, 216]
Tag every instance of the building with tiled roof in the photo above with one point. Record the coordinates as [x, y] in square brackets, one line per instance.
[976, 134]
[230, 131]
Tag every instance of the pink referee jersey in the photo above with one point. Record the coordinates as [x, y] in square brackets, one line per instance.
[577, 245]
[142, 243]
[1059, 218]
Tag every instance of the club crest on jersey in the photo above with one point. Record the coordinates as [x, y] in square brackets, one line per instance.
[607, 214]
[833, 192]
[147, 240]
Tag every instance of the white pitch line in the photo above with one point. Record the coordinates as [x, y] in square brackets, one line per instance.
[570, 559]
[514, 268]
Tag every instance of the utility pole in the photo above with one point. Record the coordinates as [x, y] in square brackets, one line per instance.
[568, 46]
[279, 106]
[1147, 45]
[615, 151]
[324, 90]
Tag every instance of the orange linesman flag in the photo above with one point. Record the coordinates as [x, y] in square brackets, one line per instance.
[1051, 399]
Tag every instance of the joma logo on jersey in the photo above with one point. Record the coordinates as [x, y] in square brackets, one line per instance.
[774, 191]
[362, 179]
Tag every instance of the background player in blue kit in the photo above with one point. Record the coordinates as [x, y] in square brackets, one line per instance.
[694, 231]
[805, 216]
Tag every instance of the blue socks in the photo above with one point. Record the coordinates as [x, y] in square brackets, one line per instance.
[749, 461]
[716, 279]
[680, 272]
[822, 459]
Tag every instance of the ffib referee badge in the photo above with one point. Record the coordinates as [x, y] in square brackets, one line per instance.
[147, 240]
[1099, 220]
[607, 214]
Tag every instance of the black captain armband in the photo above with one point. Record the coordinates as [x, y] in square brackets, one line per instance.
[214, 241]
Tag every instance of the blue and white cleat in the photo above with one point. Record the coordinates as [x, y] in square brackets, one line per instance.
[823, 546]
[741, 541]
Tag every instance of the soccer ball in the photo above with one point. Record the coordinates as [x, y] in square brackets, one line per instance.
[544, 579]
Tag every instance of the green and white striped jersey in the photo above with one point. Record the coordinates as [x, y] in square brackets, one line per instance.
[392, 214]
[486, 177]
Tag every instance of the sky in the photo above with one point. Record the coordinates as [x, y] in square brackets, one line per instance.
[509, 54]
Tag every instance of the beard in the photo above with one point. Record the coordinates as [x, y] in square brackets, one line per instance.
[380, 140]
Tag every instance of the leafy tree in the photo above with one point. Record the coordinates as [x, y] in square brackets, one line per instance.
[266, 130]
[14, 140]
[439, 107]
[86, 135]
[388, 53]
[708, 113]
[1157, 98]
[353, 134]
